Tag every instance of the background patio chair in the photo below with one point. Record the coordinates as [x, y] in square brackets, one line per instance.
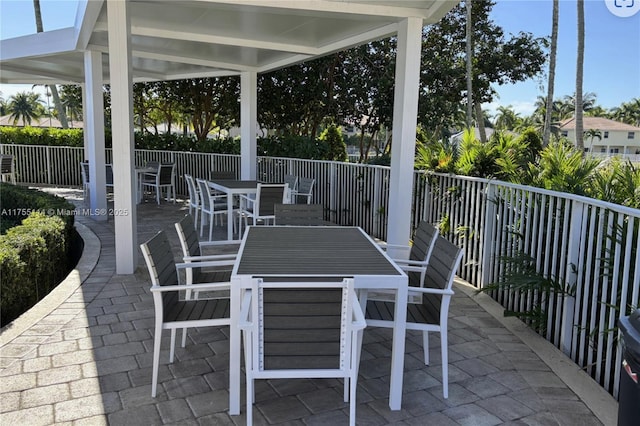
[164, 179]
[109, 175]
[222, 175]
[84, 171]
[302, 330]
[300, 214]
[194, 198]
[262, 207]
[7, 169]
[171, 312]
[432, 313]
[304, 191]
[211, 205]
[292, 181]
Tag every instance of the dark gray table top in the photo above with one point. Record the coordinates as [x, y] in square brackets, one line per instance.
[236, 184]
[318, 250]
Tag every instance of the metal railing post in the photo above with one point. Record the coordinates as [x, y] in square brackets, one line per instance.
[489, 231]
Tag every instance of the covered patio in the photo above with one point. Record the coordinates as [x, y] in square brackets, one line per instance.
[83, 356]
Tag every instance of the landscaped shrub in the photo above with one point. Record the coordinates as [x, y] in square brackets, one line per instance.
[37, 254]
[41, 136]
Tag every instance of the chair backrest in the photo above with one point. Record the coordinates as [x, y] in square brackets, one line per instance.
[299, 214]
[109, 174]
[166, 173]
[84, 170]
[6, 164]
[194, 197]
[268, 195]
[188, 237]
[292, 181]
[153, 165]
[205, 194]
[222, 175]
[162, 269]
[302, 326]
[305, 188]
[424, 241]
[443, 264]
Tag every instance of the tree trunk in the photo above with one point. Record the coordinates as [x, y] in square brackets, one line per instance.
[579, 76]
[546, 137]
[480, 120]
[62, 116]
[469, 61]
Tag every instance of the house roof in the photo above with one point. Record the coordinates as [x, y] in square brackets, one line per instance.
[598, 123]
[177, 39]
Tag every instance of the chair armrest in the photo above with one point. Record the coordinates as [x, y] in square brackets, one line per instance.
[410, 262]
[219, 243]
[432, 291]
[194, 287]
[191, 265]
[209, 257]
[359, 322]
[245, 309]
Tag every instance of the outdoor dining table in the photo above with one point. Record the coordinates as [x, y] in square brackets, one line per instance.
[312, 252]
[233, 188]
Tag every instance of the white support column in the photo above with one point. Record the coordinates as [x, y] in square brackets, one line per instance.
[94, 134]
[121, 81]
[85, 116]
[248, 120]
[405, 117]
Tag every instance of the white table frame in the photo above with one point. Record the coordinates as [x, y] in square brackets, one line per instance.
[233, 188]
[399, 283]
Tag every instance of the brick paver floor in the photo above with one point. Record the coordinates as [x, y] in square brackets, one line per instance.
[88, 361]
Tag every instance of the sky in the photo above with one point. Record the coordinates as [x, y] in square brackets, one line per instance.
[612, 46]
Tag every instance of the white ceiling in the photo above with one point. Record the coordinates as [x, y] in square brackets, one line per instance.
[182, 39]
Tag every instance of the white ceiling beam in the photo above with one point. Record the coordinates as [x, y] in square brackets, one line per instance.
[330, 6]
[200, 74]
[172, 57]
[86, 18]
[224, 40]
[46, 43]
[37, 72]
[439, 8]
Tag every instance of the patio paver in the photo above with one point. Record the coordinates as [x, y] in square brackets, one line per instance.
[88, 361]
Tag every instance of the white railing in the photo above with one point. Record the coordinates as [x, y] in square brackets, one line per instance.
[589, 248]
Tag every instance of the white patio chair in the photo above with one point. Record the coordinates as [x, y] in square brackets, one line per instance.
[7, 169]
[432, 313]
[213, 206]
[170, 311]
[305, 189]
[194, 198]
[164, 179]
[84, 171]
[302, 330]
[292, 181]
[300, 214]
[109, 175]
[424, 240]
[262, 207]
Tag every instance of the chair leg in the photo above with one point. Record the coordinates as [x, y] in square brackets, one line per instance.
[211, 226]
[425, 346]
[201, 223]
[184, 337]
[157, 339]
[445, 364]
[172, 348]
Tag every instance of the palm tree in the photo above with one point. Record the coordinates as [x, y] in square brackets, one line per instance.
[52, 87]
[552, 74]
[592, 134]
[507, 118]
[469, 61]
[25, 106]
[628, 112]
[579, 77]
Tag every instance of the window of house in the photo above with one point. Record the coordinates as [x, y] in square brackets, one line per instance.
[603, 149]
[614, 150]
[565, 133]
[631, 135]
[606, 135]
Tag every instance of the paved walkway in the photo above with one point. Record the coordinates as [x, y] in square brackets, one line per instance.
[83, 356]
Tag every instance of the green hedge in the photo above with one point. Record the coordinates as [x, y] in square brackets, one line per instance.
[322, 148]
[36, 255]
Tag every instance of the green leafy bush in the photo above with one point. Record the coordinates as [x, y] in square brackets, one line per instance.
[36, 248]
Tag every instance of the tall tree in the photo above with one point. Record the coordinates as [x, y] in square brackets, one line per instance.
[552, 73]
[579, 76]
[469, 63]
[62, 116]
[25, 106]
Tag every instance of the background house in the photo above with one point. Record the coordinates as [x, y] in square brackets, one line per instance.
[605, 136]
